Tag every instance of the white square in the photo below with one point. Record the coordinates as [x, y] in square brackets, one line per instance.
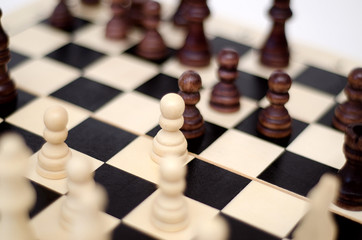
[39, 40]
[133, 111]
[43, 76]
[321, 144]
[242, 152]
[267, 208]
[30, 117]
[121, 72]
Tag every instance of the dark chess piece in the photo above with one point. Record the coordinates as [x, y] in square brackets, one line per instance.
[275, 51]
[91, 2]
[136, 15]
[225, 96]
[61, 17]
[152, 45]
[190, 84]
[196, 51]
[275, 121]
[350, 195]
[179, 18]
[8, 92]
[351, 110]
[117, 27]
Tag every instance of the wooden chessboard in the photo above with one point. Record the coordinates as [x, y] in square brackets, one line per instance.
[112, 97]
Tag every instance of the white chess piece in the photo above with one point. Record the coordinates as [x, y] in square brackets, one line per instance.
[54, 154]
[169, 210]
[216, 229]
[88, 224]
[17, 195]
[80, 181]
[170, 140]
[318, 223]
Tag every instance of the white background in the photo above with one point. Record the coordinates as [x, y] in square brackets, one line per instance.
[333, 25]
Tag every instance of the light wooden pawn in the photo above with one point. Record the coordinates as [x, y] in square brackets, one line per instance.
[16, 193]
[169, 210]
[80, 181]
[216, 229]
[318, 223]
[55, 153]
[170, 140]
[88, 225]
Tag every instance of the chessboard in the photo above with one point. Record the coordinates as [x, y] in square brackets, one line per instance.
[258, 185]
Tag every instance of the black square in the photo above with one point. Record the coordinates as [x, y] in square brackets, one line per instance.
[295, 173]
[77, 24]
[86, 93]
[22, 99]
[159, 85]
[15, 59]
[98, 139]
[33, 141]
[348, 229]
[212, 185]
[170, 52]
[75, 55]
[248, 125]
[240, 230]
[251, 86]
[219, 43]
[44, 197]
[322, 80]
[125, 191]
[122, 231]
[327, 117]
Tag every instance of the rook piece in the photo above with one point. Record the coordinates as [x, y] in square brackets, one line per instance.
[179, 18]
[351, 110]
[117, 27]
[318, 223]
[8, 93]
[350, 195]
[16, 193]
[170, 140]
[62, 17]
[169, 210]
[190, 84]
[55, 153]
[196, 51]
[275, 52]
[225, 96]
[274, 121]
[152, 45]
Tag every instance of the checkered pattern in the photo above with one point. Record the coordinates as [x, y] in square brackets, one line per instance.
[112, 97]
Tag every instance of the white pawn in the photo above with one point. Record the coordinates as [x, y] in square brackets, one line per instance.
[216, 229]
[16, 193]
[170, 140]
[318, 223]
[88, 225]
[55, 153]
[169, 210]
[80, 181]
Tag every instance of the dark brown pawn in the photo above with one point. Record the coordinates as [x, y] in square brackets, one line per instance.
[225, 96]
[350, 195]
[351, 110]
[136, 12]
[190, 84]
[152, 45]
[117, 27]
[8, 92]
[275, 51]
[62, 17]
[196, 51]
[274, 121]
[179, 18]
[91, 2]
